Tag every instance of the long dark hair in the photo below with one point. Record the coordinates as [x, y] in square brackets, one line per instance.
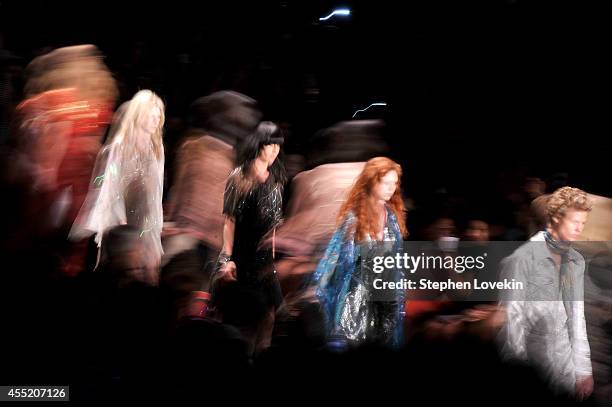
[266, 133]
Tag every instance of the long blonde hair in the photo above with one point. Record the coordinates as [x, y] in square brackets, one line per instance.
[137, 109]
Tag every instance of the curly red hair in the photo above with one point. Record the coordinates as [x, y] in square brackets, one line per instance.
[359, 202]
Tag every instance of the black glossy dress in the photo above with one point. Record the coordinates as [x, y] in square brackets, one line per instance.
[257, 209]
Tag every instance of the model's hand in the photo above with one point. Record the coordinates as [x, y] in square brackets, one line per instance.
[584, 387]
[228, 271]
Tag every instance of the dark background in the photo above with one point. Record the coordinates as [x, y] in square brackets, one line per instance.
[480, 93]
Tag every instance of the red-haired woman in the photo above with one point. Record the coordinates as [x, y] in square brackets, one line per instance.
[373, 212]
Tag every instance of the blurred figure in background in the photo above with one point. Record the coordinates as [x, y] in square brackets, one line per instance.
[425, 307]
[70, 95]
[519, 201]
[537, 212]
[338, 155]
[347, 142]
[373, 212]
[10, 87]
[442, 229]
[597, 245]
[477, 230]
[127, 183]
[193, 233]
[204, 161]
